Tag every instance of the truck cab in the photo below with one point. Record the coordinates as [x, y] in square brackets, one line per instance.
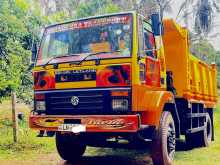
[106, 77]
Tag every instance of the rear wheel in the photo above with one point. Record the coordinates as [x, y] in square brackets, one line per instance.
[202, 138]
[164, 143]
[70, 147]
[208, 132]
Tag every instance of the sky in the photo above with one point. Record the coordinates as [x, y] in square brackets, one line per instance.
[214, 39]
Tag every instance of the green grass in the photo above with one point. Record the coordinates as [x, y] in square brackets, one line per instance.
[203, 156]
[29, 146]
[28, 143]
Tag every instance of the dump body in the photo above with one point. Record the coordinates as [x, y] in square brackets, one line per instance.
[192, 78]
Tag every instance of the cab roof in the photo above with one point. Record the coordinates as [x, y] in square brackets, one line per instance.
[91, 17]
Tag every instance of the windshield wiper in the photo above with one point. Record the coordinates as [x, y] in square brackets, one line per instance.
[55, 57]
[93, 54]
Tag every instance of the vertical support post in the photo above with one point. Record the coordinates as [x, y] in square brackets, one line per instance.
[14, 117]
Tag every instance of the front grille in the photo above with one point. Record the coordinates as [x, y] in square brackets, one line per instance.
[90, 102]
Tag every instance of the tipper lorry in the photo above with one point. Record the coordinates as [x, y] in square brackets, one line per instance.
[122, 79]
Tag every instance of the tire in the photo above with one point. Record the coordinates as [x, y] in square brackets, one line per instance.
[208, 132]
[202, 138]
[164, 142]
[70, 147]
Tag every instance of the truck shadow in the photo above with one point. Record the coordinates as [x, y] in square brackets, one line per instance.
[181, 145]
[114, 157]
[110, 160]
[119, 156]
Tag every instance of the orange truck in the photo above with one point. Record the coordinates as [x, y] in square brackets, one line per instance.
[121, 79]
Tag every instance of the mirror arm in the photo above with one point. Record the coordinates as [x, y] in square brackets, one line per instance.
[34, 50]
[139, 56]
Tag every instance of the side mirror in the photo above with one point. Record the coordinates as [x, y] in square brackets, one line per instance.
[34, 52]
[157, 24]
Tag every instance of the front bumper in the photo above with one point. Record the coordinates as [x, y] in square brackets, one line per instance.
[93, 123]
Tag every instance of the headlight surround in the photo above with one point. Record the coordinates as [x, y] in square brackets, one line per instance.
[40, 105]
[116, 75]
[44, 80]
[120, 104]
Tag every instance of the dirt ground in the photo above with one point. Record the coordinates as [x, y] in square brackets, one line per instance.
[93, 156]
[104, 157]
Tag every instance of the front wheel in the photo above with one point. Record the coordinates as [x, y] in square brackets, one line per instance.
[70, 147]
[164, 142]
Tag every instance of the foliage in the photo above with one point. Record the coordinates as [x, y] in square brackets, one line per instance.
[218, 66]
[96, 7]
[16, 33]
[218, 58]
[63, 10]
[28, 143]
[204, 50]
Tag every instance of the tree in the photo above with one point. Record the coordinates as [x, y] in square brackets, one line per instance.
[20, 24]
[165, 6]
[203, 12]
[16, 33]
[93, 7]
[204, 15]
[204, 50]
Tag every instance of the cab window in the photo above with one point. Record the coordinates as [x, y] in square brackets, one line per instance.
[146, 38]
[149, 41]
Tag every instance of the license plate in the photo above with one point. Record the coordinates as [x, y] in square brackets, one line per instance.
[75, 128]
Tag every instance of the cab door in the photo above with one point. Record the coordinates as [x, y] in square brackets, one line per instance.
[149, 63]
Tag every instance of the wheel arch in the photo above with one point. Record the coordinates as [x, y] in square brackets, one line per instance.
[157, 102]
[171, 107]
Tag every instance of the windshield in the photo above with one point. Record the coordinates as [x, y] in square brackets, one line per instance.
[76, 39]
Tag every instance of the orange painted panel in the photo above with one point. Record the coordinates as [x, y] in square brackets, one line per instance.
[150, 102]
[192, 78]
[152, 72]
[93, 123]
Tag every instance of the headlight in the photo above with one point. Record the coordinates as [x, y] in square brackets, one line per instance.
[120, 104]
[40, 106]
